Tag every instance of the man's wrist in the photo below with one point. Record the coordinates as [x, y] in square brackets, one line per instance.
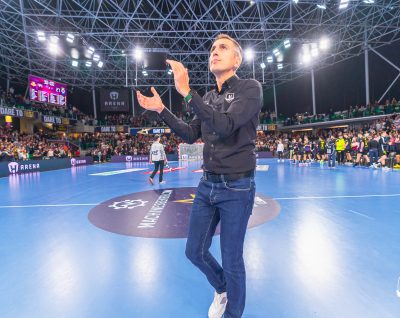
[160, 109]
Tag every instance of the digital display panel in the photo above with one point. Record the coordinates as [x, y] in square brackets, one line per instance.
[47, 91]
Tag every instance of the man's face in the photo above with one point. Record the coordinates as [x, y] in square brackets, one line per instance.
[222, 57]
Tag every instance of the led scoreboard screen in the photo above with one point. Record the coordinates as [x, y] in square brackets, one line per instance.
[46, 91]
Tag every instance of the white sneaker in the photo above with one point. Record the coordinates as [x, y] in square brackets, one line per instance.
[162, 182]
[218, 306]
[279, 160]
[151, 180]
[283, 160]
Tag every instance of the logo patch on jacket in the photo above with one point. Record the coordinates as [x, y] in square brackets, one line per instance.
[230, 97]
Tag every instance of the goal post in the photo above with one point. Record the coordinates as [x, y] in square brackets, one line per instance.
[189, 152]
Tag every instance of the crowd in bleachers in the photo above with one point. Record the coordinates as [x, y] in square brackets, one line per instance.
[353, 112]
[11, 99]
[15, 146]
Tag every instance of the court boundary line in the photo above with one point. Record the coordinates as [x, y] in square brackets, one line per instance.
[362, 215]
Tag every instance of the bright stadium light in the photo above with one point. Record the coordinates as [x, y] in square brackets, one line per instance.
[53, 48]
[323, 43]
[287, 43]
[96, 57]
[249, 54]
[54, 39]
[144, 73]
[280, 66]
[343, 4]
[123, 53]
[321, 6]
[41, 36]
[306, 58]
[100, 64]
[75, 63]
[295, 1]
[90, 50]
[169, 71]
[314, 49]
[262, 65]
[138, 54]
[369, 1]
[88, 63]
[70, 38]
[276, 52]
[270, 59]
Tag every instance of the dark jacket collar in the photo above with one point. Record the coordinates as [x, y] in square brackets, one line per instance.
[230, 82]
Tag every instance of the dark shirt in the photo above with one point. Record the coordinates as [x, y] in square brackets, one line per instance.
[227, 121]
[373, 144]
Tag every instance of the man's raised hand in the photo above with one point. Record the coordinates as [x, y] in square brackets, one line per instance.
[151, 103]
[181, 77]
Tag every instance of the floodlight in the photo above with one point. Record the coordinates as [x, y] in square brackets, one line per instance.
[287, 43]
[276, 52]
[41, 36]
[321, 6]
[138, 54]
[88, 63]
[96, 57]
[54, 39]
[53, 48]
[169, 71]
[144, 73]
[343, 4]
[314, 49]
[70, 38]
[295, 1]
[269, 59]
[90, 50]
[75, 63]
[262, 65]
[323, 43]
[306, 58]
[100, 64]
[280, 66]
[249, 54]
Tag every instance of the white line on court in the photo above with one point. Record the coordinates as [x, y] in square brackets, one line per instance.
[340, 196]
[362, 215]
[296, 198]
[44, 205]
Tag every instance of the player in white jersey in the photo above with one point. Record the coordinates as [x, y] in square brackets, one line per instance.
[157, 155]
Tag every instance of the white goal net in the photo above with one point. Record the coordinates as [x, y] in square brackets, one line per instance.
[191, 152]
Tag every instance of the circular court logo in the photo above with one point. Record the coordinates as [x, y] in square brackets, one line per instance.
[164, 213]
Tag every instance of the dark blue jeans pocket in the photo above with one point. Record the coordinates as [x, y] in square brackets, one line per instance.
[243, 184]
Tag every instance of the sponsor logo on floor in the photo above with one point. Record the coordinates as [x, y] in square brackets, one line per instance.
[164, 213]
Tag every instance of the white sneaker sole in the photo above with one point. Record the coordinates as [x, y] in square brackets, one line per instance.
[219, 314]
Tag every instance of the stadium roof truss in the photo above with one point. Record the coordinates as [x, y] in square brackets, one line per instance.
[184, 30]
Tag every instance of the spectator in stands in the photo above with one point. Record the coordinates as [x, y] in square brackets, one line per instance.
[356, 112]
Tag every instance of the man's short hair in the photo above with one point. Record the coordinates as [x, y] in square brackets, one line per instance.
[237, 47]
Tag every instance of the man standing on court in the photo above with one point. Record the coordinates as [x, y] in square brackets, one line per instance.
[157, 155]
[226, 118]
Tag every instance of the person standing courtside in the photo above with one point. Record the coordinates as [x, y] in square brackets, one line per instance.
[226, 118]
[157, 155]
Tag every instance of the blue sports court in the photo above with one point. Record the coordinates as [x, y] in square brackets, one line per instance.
[324, 243]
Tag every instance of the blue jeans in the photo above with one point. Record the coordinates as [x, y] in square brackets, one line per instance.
[332, 157]
[231, 203]
[373, 153]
